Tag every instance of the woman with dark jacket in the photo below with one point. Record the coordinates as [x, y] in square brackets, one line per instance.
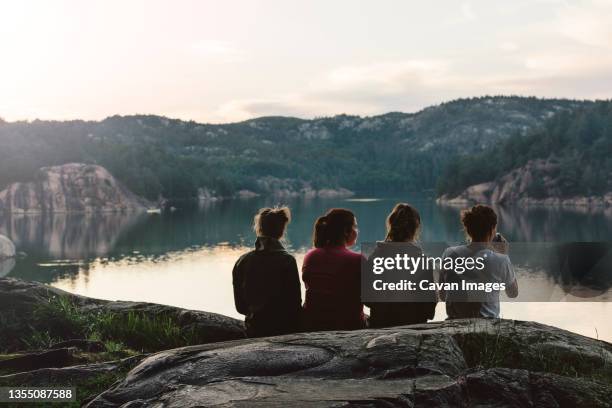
[266, 280]
[331, 274]
[403, 226]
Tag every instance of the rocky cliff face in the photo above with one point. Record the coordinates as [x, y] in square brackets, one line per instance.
[536, 183]
[461, 363]
[73, 187]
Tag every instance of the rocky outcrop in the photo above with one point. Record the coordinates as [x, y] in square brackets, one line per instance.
[7, 248]
[279, 188]
[289, 188]
[63, 376]
[461, 363]
[535, 184]
[22, 304]
[73, 187]
[7, 256]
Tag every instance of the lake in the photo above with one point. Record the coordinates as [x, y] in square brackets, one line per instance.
[185, 258]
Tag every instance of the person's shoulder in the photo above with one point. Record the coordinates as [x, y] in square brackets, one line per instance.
[497, 261]
[496, 257]
[454, 251]
[286, 256]
[349, 253]
[245, 256]
[313, 253]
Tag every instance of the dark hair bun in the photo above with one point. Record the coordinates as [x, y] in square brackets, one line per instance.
[478, 222]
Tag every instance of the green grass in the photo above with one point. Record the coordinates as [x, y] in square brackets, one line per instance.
[124, 334]
[494, 349]
[61, 319]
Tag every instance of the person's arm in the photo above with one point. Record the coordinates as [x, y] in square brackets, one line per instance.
[501, 246]
[512, 289]
[442, 277]
[292, 285]
[239, 300]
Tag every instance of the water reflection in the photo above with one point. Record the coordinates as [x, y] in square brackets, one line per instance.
[66, 236]
[185, 258]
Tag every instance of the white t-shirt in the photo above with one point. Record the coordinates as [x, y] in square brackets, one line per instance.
[497, 267]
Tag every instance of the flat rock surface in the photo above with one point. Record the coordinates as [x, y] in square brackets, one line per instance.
[469, 363]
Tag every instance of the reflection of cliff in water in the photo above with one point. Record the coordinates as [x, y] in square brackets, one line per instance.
[583, 269]
[66, 236]
[535, 224]
[567, 245]
[547, 224]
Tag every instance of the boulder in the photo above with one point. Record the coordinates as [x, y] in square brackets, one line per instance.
[7, 248]
[59, 357]
[6, 266]
[23, 303]
[64, 376]
[460, 363]
[72, 187]
[87, 379]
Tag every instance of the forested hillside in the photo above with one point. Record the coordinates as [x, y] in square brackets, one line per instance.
[576, 145]
[156, 156]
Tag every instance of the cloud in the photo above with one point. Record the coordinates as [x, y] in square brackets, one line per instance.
[359, 89]
[220, 51]
[383, 77]
[564, 53]
[468, 11]
[588, 24]
[411, 85]
[509, 46]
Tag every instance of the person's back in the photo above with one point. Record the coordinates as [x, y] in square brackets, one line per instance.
[387, 314]
[332, 280]
[480, 223]
[403, 226]
[266, 282]
[332, 275]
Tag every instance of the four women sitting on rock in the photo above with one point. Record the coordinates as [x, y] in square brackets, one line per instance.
[267, 286]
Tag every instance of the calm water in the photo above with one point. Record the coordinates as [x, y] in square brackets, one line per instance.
[185, 258]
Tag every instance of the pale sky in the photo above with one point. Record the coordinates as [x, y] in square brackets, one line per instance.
[221, 61]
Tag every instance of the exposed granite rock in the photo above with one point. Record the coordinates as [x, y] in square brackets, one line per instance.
[59, 357]
[536, 183]
[7, 256]
[288, 188]
[20, 301]
[73, 187]
[45, 377]
[7, 248]
[461, 363]
[87, 379]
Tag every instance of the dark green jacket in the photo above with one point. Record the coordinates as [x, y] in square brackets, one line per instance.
[267, 289]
